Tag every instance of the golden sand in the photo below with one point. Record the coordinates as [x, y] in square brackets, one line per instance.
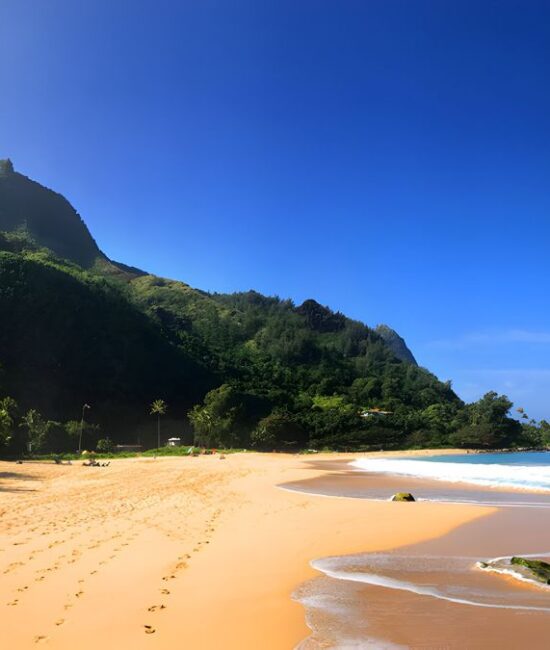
[191, 553]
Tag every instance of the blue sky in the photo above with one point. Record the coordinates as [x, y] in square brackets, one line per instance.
[389, 158]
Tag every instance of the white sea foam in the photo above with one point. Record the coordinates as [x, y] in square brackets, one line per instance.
[532, 477]
[513, 574]
[327, 566]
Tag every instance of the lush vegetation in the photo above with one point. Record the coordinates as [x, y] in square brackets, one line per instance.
[236, 370]
[70, 337]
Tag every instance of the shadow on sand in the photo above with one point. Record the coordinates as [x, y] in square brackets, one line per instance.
[17, 476]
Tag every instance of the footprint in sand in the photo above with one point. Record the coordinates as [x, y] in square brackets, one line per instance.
[60, 621]
[154, 608]
[13, 603]
[169, 577]
[79, 593]
[22, 588]
[165, 592]
[38, 639]
[149, 629]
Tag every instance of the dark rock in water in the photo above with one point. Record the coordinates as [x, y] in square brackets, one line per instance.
[538, 569]
[403, 496]
[520, 567]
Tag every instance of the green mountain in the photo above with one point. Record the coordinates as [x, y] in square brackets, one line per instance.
[396, 344]
[243, 368]
[46, 217]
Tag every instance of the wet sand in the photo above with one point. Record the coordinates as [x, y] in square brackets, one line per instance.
[180, 552]
[337, 479]
[443, 568]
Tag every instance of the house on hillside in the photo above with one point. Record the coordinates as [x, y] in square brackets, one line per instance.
[129, 448]
[369, 413]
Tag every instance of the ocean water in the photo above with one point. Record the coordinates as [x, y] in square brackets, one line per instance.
[519, 470]
[436, 595]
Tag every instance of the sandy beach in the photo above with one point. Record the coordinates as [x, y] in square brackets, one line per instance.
[180, 552]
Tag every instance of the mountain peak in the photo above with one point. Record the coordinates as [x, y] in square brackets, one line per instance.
[45, 216]
[6, 167]
[396, 343]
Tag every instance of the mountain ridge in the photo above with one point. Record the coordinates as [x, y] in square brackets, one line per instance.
[37, 223]
[239, 369]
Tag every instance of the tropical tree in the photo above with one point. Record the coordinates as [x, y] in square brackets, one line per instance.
[485, 423]
[203, 425]
[105, 445]
[8, 407]
[228, 416]
[158, 408]
[277, 430]
[36, 428]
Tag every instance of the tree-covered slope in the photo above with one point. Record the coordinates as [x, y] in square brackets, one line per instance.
[69, 337]
[245, 368]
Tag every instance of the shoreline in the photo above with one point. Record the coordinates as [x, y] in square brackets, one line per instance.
[220, 537]
[402, 595]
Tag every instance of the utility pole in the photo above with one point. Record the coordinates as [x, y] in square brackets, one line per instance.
[84, 407]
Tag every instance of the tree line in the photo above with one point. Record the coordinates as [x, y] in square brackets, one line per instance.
[231, 418]
[245, 370]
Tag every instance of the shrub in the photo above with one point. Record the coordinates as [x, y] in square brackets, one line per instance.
[105, 445]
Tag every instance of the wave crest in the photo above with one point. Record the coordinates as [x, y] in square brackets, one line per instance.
[533, 477]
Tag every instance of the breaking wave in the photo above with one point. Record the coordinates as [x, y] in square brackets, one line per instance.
[527, 477]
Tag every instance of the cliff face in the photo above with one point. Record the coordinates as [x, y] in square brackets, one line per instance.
[46, 217]
[396, 343]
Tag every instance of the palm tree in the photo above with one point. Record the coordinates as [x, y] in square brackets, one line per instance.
[158, 408]
[8, 407]
[36, 428]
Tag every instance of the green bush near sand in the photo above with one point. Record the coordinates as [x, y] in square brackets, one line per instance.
[150, 453]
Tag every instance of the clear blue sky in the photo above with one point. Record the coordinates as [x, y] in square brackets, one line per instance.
[389, 158]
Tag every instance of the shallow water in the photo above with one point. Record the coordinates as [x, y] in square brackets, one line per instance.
[524, 470]
[432, 595]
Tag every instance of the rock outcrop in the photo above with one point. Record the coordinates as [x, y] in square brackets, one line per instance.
[396, 344]
[403, 496]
